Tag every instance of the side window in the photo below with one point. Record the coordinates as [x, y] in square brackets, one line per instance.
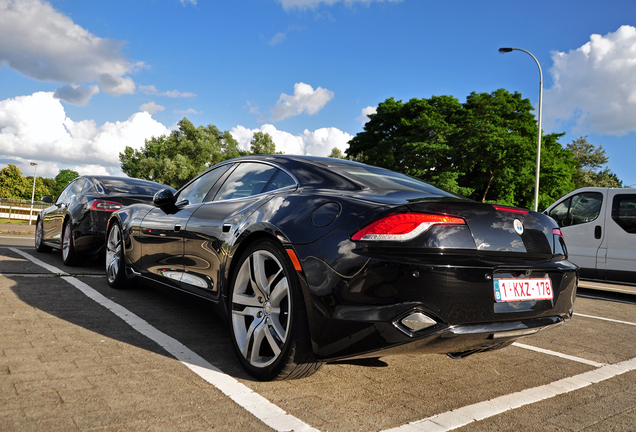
[560, 212]
[279, 181]
[581, 208]
[68, 191]
[624, 212]
[248, 179]
[78, 186]
[196, 191]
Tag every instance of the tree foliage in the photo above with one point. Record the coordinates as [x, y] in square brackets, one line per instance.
[178, 157]
[590, 165]
[14, 185]
[262, 143]
[484, 148]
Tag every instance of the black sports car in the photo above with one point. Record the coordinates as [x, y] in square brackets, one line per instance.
[76, 222]
[314, 259]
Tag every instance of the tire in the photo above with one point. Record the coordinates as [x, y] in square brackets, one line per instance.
[69, 255]
[115, 259]
[39, 238]
[268, 321]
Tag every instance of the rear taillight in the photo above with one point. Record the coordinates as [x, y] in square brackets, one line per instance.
[403, 226]
[557, 232]
[106, 206]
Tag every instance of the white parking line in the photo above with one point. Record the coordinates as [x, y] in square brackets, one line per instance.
[261, 408]
[606, 319]
[558, 354]
[461, 417]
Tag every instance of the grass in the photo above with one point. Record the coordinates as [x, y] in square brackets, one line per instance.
[14, 221]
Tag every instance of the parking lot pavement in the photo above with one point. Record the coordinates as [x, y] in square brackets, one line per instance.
[71, 364]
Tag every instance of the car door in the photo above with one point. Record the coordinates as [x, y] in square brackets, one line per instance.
[212, 228]
[53, 221]
[619, 241]
[581, 217]
[163, 229]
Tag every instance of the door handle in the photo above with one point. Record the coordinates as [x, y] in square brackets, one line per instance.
[597, 232]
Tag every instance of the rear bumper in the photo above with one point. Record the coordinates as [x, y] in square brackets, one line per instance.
[356, 306]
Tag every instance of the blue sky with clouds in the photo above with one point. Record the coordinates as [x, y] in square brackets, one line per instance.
[83, 79]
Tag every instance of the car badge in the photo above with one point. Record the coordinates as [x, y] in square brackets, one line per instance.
[518, 226]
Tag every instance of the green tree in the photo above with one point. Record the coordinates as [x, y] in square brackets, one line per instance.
[262, 143]
[484, 148]
[336, 153]
[412, 138]
[176, 158]
[590, 165]
[13, 184]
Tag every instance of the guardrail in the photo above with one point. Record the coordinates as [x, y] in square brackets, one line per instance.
[20, 209]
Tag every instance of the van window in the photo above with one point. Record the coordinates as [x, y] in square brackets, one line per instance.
[624, 212]
[581, 208]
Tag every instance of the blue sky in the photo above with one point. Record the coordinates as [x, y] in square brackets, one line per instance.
[83, 79]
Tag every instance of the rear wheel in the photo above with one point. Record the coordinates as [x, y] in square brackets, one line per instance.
[268, 320]
[115, 264]
[69, 255]
[39, 237]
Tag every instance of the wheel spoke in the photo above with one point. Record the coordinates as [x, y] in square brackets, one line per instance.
[245, 300]
[250, 342]
[279, 293]
[258, 275]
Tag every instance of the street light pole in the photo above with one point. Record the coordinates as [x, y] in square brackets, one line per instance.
[536, 185]
[35, 168]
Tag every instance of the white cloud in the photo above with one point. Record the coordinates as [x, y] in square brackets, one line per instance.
[595, 85]
[312, 4]
[76, 94]
[185, 2]
[116, 86]
[41, 43]
[366, 112]
[187, 112]
[317, 143]
[278, 38]
[36, 128]
[305, 99]
[151, 107]
[152, 90]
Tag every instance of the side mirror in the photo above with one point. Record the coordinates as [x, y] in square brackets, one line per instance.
[47, 199]
[163, 198]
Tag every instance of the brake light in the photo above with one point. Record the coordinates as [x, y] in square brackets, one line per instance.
[510, 209]
[106, 206]
[403, 226]
[557, 232]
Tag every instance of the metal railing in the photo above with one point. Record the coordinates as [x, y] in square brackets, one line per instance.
[17, 209]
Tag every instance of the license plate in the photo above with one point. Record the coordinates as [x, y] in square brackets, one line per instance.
[507, 290]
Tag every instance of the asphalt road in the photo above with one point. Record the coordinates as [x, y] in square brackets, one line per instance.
[77, 355]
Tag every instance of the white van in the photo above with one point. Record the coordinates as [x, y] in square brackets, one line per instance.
[599, 227]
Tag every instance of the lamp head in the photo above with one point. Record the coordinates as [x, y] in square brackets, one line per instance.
[33, 164]
[504, 50]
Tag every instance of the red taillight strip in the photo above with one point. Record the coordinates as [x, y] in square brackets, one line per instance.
[511, 209]
[403, 226]
[557, 231]
[101, 205]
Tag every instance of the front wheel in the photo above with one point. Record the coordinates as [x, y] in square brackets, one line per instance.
[69, 255]
[39, 238]
[115, 260]
[269, 325]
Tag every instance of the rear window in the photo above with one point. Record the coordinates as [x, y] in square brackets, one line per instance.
[130, 186]
[378, 178]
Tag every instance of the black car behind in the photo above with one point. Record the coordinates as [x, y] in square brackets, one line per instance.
[76, 222]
